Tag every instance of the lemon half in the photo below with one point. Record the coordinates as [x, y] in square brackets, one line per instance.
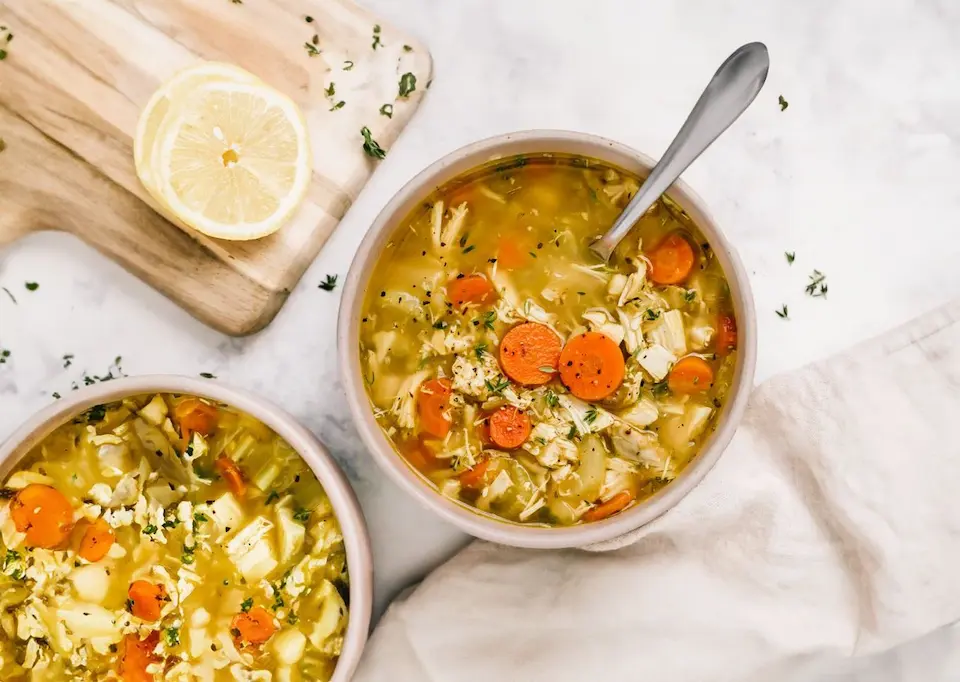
[224, 153]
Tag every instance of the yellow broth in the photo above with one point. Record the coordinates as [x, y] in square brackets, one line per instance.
[523, 225]
[211, 512]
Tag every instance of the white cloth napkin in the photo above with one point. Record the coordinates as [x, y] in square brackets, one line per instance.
[830, 528]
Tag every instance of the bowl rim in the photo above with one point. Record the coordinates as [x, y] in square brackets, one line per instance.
[470, 520]
[314, 453]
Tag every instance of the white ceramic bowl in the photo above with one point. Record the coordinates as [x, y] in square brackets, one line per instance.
[345, 504]
[471, 520]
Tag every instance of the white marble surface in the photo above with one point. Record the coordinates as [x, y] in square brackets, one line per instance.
[858, 177]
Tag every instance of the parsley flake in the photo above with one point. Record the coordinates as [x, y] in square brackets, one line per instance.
[783, 313]
[329, 284]
[817, 286]
[31, 286]
[387, 110]
[246, 605]
[790, 256]
[408, 83]
[370, 145]
[783, 103]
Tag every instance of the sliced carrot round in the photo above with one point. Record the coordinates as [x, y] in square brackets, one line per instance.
[44, 514]
[592, 366]
[195, 416]
[253, 627]
[615, 504]
[476, 477]
[726, 335]
[509, 427]
[97, 540]
[135, 655]
[419, 455]
[231, 473]
[691, 374]
[671, 261]
[529, 353]
[511, 254]
[433, 407]
[147, 599]
[470, 289]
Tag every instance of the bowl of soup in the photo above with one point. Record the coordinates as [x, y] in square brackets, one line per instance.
[510, 380]
[169, 528]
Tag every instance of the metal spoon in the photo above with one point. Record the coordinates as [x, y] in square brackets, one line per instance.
[733, 87]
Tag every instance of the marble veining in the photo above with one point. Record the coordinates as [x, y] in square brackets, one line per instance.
[857, 177]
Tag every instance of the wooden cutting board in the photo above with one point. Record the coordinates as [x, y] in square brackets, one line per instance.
[78, 73]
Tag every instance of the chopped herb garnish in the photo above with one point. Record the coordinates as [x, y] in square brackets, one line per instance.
[440, 324]
[572, 433]
[150, 529]
[277, 600]
[292, 618]
[489, 318]
[339, 105]
[347, 65]
[12, 555]
[171, 523]
[690, 295]
[783, 103]
[370, 145]
[791, 256]
[469, 249]
[591, 415]
[330, 283]
[301, 515]
[67, 360]
[3, 144]
[650, 315]
[480, 349]
[308, 19]
[532, 254]
[187, 556]
[376, 37]
[246, 605]
[551, 399]
[387, 110]
[407, 48]
[94, 414]
[272, 497]
[200, 517]
[498, 386]
[817, 286]
[172, 636]
[660, 389]
[408, 83]
[783, 313]
[31, 286]
[4, 354]
[207, 375]
[330, 90]
[311, 49]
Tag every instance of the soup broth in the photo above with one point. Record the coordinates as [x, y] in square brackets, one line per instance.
[523, 377]
[167, 537]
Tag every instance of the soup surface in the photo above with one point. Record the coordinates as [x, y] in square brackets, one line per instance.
[167, 537]
[520, 375]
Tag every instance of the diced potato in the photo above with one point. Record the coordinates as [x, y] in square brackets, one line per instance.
[657, 361]
[680, 431]
[290, 532]
[251, 550]
[227, 512]
[289, 645]
[331, 608]
[91, 583]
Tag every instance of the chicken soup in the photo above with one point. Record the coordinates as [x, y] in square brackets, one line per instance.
[167, 537]
[523, 377]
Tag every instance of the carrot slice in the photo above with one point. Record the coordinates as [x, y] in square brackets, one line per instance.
[135, 655]
[591, 366]
[433, 407]
[529, 353]
[253, 627]
[147, 599]
[509, 427]
[97, 540]
[476, 477]
[615, 504]
[231, 473]
[511, 254]
[195, 416]
[419, 455]
[44, 514]
[691, 374]
[470, 289]
[726, 335]
[671, 261]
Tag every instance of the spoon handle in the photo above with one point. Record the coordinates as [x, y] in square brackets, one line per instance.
[733, 87]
